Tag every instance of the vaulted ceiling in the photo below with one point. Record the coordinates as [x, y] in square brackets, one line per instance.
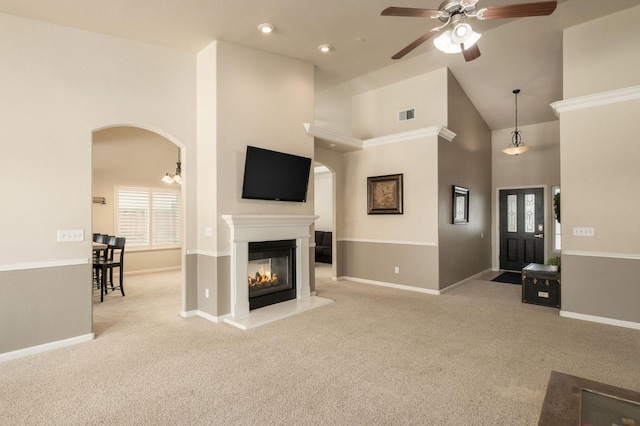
[523, 53]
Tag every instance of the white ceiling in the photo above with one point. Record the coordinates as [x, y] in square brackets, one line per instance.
[521, 53]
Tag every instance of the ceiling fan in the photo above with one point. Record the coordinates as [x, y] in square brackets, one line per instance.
[454, 13]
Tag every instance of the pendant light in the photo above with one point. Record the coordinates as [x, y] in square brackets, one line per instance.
[516, 146]
[177, 178]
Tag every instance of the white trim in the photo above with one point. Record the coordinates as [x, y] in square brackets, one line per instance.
[392, 285]
[330, 135]
[213, 318]
[601, 320]
[597, 99]
[410, 135]
[602, 254]
[209, 253]
[208, 317]
[406, 243]
[466, 280]
[46, 347]
[189, 314]
[151, 271]
[351, 142]
[49, 264]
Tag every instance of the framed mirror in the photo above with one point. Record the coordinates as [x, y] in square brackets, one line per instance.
[460, 205]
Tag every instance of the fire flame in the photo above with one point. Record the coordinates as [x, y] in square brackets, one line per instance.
[263, 277]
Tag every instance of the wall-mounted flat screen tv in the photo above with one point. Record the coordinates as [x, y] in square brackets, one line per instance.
[272, 175]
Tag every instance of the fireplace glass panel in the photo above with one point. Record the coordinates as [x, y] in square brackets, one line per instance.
[268, 275]
[271, 272]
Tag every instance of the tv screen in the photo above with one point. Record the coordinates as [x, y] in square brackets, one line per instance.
[271, 175]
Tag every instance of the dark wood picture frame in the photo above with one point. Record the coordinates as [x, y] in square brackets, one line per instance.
[460, 205]
[384, 194]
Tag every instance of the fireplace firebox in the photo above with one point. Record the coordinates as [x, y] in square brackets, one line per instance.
[271, 272]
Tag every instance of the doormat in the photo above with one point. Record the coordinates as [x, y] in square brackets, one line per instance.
[509, 278]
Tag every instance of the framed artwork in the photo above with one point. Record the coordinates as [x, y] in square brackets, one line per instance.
[384, 194]
[460, 204]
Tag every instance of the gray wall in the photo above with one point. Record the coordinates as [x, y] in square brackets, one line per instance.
[464, 249]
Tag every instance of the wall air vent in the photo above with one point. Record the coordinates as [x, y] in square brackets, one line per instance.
[407, 114]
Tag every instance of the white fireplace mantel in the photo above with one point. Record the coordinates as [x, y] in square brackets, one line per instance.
[255, 228]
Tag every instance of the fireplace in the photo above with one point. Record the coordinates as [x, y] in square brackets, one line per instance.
[256, 231]
[271, 272]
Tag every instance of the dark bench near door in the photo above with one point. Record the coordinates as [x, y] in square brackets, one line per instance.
[324, 246]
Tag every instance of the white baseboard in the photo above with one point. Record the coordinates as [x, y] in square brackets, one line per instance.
[392, 285]
[46, 347]
[150, 271]
[208, 317]
[466, 280]
[601, 320]
[416, 289]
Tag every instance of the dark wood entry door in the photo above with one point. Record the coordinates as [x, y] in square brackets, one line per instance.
[521, 228]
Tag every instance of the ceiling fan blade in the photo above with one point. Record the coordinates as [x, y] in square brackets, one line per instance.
[471, 53]
[518, 10]
[416, 43]
[411, 12]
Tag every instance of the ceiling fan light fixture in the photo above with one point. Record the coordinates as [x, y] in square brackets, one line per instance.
[449, 42]
[444, 43]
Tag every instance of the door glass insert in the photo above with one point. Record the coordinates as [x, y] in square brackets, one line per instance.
[512, 213]
[529, 213]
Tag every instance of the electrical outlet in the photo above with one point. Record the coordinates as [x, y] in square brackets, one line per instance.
[397, 270]
[69, 235]
[206, 293]
[208, 231]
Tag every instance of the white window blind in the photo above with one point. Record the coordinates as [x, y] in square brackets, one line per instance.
[148, 218]
[166, 218]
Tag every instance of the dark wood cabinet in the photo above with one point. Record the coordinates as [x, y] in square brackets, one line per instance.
[540, 285]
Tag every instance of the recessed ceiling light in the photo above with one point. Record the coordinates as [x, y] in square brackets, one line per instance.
[324, 48]
[333, 145]
[266, 28]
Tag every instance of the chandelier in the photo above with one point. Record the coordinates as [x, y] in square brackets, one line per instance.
[176, 178]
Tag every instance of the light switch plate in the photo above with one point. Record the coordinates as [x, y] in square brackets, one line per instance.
[583, 232]
[69, 235]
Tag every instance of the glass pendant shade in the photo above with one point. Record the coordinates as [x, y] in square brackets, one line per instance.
[516, 146]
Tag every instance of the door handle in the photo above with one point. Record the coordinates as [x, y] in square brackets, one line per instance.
[539, 235]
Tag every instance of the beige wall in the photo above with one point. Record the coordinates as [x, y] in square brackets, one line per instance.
[464, 249]
[129, 156]
[599, 170]
[263, 100]
[539, 167]
[602, 55]
[375, 113]
[245, 97]
[60, 84]
[367, 242]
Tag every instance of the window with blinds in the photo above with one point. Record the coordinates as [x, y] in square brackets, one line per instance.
[148, 217]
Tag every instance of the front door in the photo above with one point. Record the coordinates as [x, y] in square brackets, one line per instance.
[521, 228]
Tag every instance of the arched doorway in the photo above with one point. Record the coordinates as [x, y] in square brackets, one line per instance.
[133, 160]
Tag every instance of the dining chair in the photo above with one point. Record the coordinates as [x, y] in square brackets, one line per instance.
[114, 259]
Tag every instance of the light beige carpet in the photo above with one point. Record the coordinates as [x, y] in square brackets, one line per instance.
[378, 356]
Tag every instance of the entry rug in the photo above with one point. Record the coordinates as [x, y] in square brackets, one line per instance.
[509, 278]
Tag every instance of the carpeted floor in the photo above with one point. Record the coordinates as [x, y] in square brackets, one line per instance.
[377, 356]
[509, 278]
